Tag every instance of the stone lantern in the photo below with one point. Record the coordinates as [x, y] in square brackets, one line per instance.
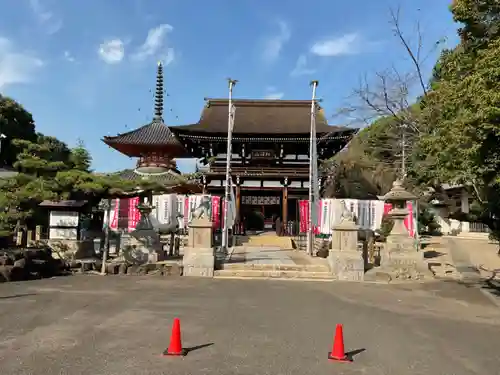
[144, 244]
[399, 238]
[399, 257]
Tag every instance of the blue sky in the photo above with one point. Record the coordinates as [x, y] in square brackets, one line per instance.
[86, 69]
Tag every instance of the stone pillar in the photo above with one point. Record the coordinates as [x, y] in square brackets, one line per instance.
[38, 233]
[29, 238]
[199, 255]
[346, 262]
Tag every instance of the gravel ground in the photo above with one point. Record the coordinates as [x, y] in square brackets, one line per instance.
[121, 325]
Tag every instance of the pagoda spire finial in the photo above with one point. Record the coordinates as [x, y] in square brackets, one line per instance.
[159, 93]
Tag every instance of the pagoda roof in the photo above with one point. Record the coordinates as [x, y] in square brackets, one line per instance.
[151, 136]
[260, 116]
[169, 179]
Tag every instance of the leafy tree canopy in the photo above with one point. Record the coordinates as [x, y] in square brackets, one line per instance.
[480, 21]
[15, 123]
[463, 111]
[49, 170]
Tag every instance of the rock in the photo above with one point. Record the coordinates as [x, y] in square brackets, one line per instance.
[142, 270]
[20, 263]
[123, 269]
[6, 272]
[151, 267]
[5, 260]
[160, 269]
[323, 253]
[173, 270]
[113, 268]
[132, 270]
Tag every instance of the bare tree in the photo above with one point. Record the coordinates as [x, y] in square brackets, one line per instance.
[390, 93]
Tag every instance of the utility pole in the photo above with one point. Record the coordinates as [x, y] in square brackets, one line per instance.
[313, 178]
[227, 192]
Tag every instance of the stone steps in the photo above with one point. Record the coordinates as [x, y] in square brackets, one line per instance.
[276, 267]
[443, 270]
[244, 273]
[274, 271]
[267, 241]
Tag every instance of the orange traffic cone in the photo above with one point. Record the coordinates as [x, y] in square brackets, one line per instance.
[175, 347]
[338, 354]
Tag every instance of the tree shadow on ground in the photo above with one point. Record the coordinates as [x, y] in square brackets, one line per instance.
[17, 296]
[432, 254]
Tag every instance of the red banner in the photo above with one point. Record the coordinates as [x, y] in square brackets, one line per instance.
[303, 215]
[133, 213]
[114, 220]
[216, 212]
[186, 211]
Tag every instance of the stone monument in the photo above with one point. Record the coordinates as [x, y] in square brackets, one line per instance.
[199, 255]
[346, 262]
[400, 258]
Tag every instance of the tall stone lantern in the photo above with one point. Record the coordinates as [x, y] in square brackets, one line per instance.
[400, 258]
[399, 238]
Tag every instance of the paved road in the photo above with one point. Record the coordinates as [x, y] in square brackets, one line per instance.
[120, 325]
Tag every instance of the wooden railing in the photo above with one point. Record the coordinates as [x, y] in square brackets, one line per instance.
[261, 171]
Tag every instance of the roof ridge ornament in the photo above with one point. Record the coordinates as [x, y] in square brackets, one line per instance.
[158, 113]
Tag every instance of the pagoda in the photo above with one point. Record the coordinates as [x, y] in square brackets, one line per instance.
[155, 147]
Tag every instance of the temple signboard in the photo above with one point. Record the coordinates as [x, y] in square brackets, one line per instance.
[262, 154]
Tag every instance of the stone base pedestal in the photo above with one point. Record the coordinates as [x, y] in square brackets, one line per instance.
[199, 255]
[198, 262]
[345, 261]
[400, 262]
[145, 248]
[346, 265]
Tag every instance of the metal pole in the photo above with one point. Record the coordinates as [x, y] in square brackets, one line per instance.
[230, 123]
[106, 237]
[312, 159]
[403, 153]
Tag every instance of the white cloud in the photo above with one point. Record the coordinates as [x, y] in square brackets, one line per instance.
[68, 56]
[274, 44]
[112, 51]
[16, 66]
[47, 19]
[169, 57]
[275, 95]
[155, 44]
[301, 68]
[336, 46]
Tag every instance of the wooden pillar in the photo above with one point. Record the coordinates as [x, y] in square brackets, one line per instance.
[238, 203]
[285, 209]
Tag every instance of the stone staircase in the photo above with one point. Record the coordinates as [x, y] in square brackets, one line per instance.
[274, 271]
[266, 240]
